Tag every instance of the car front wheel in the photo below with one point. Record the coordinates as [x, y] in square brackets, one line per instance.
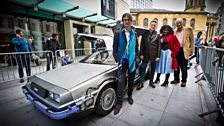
[105, 100]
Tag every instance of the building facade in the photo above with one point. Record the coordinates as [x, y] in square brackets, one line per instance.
[141, 4]
[220, 20]
[193, 16]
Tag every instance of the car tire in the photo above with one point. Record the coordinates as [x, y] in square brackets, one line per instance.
[105, 101]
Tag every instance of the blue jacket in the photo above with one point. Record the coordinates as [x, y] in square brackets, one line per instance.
[21, 44]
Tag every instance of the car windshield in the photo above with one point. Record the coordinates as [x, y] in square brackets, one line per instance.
[100, 57]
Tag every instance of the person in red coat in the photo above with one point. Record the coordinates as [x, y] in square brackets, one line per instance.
[170, 47]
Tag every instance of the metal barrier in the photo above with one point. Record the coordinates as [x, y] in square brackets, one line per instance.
[12, 64]
[212, 64]
[37, 62]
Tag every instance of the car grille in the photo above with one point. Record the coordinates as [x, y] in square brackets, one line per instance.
[39, 90]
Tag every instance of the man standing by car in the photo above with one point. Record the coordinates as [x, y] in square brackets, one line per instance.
[186, 39]
[21, 45]
[52, 45]
[149, 53]
[125, 52]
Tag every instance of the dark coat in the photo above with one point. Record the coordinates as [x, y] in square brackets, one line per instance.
[150, 46]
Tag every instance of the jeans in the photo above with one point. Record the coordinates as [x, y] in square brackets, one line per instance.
[121, 74]
[49, 60]
[149, 73]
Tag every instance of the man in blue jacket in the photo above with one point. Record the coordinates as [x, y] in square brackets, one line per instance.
[23, 59]
[125, 52]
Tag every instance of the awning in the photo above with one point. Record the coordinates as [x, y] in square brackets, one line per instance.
[96, 18]
[58, 6]
[107, 22]
[80, 13]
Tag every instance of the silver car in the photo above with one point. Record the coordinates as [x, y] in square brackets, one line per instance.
[87, 84]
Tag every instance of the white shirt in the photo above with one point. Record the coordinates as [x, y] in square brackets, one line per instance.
[127, 34]
[180, 37]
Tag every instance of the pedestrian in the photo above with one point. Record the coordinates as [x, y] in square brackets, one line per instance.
[149, 54]
[52, 45]
[197, 41]
[23, 59]
[220, 44]
[186, 39]
[125, 52]
[170, 47]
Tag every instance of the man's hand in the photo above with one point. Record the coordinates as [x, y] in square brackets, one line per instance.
[141, 57]
[157, 59]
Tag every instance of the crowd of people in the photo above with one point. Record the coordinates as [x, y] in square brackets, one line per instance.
[166, 52]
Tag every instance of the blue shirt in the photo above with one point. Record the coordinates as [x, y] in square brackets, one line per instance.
[21, 44]
[197, 41]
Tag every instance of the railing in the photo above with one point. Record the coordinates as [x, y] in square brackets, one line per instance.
[212, 64]
[36, 62]
[11, 64]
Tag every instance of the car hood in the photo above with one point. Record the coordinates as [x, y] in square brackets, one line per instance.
[74, 74]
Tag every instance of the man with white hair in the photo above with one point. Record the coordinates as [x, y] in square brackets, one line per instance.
[186, 39]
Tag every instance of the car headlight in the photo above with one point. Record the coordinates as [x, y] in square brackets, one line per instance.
[54, 96]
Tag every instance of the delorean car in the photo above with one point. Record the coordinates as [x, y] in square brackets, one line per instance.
[77, 87]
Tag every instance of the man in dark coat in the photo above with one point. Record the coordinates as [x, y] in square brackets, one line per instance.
[52, 45]
[149, 53]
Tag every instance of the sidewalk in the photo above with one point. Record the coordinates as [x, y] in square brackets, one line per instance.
[160, 106]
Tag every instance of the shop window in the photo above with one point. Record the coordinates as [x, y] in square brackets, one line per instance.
[192, 23]
[33, 27]
[165, 22]
[145, 22]
[10, 23]
[48, 28]
[1, 22]
[20, 23]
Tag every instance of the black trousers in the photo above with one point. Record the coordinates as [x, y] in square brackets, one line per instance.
[121, 74]
[182, 66]
[49, 60]
[23, 60]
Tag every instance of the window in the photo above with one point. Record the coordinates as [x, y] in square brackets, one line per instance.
[145, 22]
[48, 28]
[33, 26]
[1, 22]
[192, 23]
[20, 23]
[165, 21]
[184, 22]
[134, 22]
[173, 23]
[10, 23]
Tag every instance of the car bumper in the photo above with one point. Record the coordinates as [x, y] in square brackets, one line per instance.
[57, 113]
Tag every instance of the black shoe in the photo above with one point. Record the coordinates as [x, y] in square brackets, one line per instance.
[130, 100]
[117, 109]
[151, 84]
[165, 84]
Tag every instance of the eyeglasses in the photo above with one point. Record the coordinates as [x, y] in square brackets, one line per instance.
[129, 20]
